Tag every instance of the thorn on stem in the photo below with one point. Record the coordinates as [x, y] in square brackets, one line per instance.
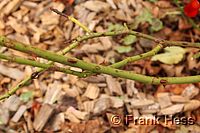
[97, 68]
[73, 61]
[160, 41]
[163, 81]
[34, 75]
[69, 41]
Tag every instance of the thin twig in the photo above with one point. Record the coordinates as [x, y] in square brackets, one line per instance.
[33, 63]
[124, 62]
[137, 57]
[72, 19]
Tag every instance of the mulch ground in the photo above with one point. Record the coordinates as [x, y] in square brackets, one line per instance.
[56, 102]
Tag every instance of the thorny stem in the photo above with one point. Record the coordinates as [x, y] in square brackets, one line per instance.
[93, 35]
[94, 67]
[67, 71]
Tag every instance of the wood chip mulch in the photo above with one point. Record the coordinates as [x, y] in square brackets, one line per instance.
[56, 102]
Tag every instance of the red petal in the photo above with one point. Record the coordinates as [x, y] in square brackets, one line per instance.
[191, 9]
[195, 4]
[190, 13]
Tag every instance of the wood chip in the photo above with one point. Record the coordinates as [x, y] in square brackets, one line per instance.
[130, 87]
[43, 116]
[3, 3]
[19, 113]
[56, 123]
[164, 99]
[88, 106]
[81, 84]
[13, 73]
[73, 79]
[163, 4]
[106, 41]
[179, 99]
[4, 115]
[193, 128]
[101, 105]
[21, 13]
[68, 29]
[2, 24]
[112, 4]
[192, 105]
[113, 86]
[12, 103]
[92, 91]
[94, 48]
[154, 108]
[71, 117]
[169, 69]
[30, 4]
[72, 92]
[28, 121]
[95, 79]
[12, 6]
[49, 18]
[75, 115]
[136, 113]
[96, 6]
[79, 114]
[117, 102]
[58, 75]
[121, 15]
[19, 37]
[53, 93]
[99, 59]
[5, 80]
[37, 32]
[172, 109]
[178, 70]
[139, 103]
[190, 91]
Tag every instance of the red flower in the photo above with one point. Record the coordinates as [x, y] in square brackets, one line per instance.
[192, 8]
